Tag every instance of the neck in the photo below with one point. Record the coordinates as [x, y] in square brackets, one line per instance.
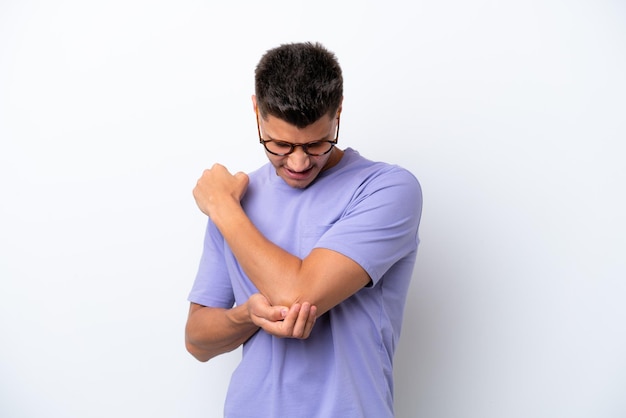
[335, 157]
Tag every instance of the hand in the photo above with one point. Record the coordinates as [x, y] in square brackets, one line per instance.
[217, 186]
[280, 321]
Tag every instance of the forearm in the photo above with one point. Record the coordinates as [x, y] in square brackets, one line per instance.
[214, 331]
[324, 278]
[275, 272]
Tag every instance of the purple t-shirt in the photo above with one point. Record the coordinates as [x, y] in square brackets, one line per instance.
[368, 211]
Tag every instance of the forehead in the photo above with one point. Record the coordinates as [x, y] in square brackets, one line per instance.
[280, 130]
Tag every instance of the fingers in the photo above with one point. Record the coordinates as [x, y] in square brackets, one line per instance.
[304, 321]
[217, 181]
[217, 186]
[310, 321]
[282, 322]
[299, 321]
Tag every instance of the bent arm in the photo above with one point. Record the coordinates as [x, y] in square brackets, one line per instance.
[324, 278]
[214, 331]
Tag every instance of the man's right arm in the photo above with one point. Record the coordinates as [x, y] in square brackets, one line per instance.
[213, 331]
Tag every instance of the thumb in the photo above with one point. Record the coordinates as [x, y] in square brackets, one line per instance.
[279, 313]
[241, 176]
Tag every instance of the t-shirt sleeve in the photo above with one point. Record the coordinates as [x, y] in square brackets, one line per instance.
[212, 286]
[380, 226]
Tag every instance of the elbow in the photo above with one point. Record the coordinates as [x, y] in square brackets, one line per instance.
[194, 345]
[289, 300]
[199, 354]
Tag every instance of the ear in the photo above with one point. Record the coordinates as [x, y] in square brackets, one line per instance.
[254, 103]
[340, 107]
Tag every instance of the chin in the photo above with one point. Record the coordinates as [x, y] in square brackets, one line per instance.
[298, 184]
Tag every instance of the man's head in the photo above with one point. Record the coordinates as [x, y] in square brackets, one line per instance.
[299, 90]
[298, 83]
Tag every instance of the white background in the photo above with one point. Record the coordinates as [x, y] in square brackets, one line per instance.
[511, 114]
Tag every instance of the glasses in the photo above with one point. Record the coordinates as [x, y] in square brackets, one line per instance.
[282, 148]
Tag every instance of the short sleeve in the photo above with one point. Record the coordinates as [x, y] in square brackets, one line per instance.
[380, 226]
[212, 286]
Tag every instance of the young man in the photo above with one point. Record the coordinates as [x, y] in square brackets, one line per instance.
[307, 260]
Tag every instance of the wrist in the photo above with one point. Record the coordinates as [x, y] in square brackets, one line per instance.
[225, 216]
[240, 316]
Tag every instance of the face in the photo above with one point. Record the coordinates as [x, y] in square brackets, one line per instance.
[299, 169]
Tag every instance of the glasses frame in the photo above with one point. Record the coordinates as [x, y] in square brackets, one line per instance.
[293, 146]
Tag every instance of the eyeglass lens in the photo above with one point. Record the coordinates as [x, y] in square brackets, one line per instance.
[284, 148]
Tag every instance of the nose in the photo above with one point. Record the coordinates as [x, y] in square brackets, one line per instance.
[298, 159]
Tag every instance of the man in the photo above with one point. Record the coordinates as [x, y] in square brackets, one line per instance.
[307, 260]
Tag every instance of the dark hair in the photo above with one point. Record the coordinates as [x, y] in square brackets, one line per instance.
[298, 83]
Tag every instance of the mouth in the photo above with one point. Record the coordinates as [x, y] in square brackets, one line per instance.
[298, 175]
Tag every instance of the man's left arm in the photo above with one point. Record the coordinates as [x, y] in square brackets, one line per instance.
[324, 278]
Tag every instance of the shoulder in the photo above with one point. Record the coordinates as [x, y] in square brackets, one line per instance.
[378, 174]
[355, 161]
[260, 173]
[261, 177]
